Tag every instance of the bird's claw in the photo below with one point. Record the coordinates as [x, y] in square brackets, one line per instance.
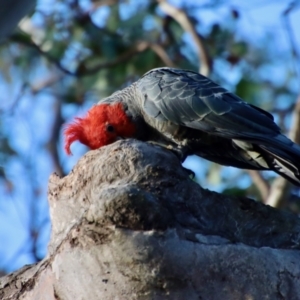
[181, 153]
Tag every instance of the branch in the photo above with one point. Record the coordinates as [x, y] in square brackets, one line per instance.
[18, 38]
[294, 133]
[162, 54]
[128, 222]
[182, 18]
[45, 83]
[82, 70]
[52, 144]
[291, 36]
[280, 189]
[18, 97]
[139, 47]
[261, 183]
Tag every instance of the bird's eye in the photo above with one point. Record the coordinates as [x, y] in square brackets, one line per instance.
[110, 128]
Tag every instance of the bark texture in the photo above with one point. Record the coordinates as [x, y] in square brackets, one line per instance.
[128, 223]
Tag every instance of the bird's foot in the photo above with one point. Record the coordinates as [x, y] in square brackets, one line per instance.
[181, 153]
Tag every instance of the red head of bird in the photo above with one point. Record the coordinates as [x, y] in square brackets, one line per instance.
[103, 125]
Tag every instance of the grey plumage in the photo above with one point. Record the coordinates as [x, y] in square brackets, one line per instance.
[188, 111]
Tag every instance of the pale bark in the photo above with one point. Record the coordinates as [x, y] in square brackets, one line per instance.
[187, 25]
[281, 188]
[128, 223]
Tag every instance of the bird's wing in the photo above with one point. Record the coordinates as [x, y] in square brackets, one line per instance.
[192, 100]
[189, 99]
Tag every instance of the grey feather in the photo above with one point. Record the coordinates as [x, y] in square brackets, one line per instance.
[187, 110]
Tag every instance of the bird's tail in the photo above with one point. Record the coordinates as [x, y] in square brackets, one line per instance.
[283, 157]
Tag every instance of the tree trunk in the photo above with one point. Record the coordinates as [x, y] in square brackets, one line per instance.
[128, 223]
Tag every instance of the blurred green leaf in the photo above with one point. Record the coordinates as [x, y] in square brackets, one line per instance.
[248, 90]
[235, 191]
